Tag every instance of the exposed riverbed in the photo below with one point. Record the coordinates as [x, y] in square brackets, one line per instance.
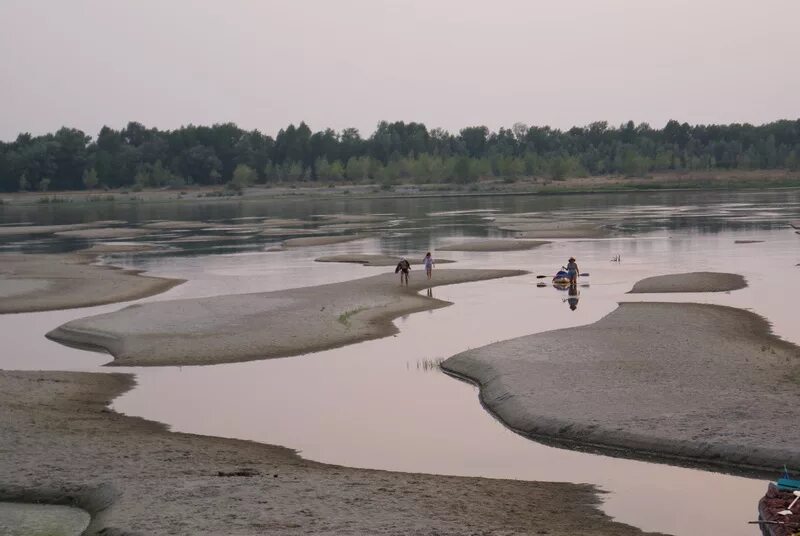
[384, 403]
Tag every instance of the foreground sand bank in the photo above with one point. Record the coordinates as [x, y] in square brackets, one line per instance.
[697, 384]
[61, 444]
[690, 282]
[242, 327]
[48, 282]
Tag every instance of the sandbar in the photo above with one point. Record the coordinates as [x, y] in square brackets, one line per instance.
[246, 327]
[795, 224]
[109, 248]
[377, 260]
[693, 384]
[61, 444]
[105, 232]
[48, 282]
[176, 225]
[19, 230]
[498, 244]
[537, 228]
[308, 241]
[690, 282]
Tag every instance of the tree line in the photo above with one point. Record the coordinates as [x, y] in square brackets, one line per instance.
[140, 157]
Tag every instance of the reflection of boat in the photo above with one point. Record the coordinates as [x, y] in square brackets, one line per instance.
[776, 518]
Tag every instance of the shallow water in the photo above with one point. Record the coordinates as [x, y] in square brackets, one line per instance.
[381, 404]
[24, 519]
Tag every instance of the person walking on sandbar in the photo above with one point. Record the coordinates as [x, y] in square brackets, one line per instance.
[428, 262]
[403, 267]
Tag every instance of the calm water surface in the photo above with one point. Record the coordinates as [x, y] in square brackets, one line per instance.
[380, 404]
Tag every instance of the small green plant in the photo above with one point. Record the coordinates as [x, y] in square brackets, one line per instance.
[344, 318]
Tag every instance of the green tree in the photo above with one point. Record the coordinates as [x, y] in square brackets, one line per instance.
[89, 179]
[244, 176]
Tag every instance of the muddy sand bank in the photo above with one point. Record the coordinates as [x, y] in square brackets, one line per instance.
[691, 383]
[689, 282]
[60, 444]
[48, 282]
[244, 327]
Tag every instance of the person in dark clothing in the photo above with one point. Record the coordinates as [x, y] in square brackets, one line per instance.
[403, 267]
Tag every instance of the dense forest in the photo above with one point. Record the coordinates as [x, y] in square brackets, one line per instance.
[141, 157]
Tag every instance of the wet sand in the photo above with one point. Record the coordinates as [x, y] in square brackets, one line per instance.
[62, 445]
[246, 327]
[376, 260]
[494, 245]
[49, 282]
[687, 383]
[689, 282]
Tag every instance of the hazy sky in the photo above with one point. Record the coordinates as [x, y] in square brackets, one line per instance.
[447, 63]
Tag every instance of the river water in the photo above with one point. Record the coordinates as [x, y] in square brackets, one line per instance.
[384, 404]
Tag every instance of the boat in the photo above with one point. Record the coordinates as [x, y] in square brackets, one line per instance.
[775, 517]
[561, 278]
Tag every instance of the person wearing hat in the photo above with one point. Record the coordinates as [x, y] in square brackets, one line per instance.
[572, 270]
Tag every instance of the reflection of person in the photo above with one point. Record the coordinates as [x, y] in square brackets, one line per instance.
[428, 262]
[430, 292]
[572, 270]
[573, 297]
[403, 267]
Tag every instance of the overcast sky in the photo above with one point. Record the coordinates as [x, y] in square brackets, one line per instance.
[447, 63]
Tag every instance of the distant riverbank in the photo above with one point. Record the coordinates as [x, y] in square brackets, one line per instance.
[662, 181]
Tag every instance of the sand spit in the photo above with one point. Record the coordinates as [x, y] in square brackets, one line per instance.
[795, 224]
[110, 248]
[378, 260]
[21, 230]
[353, 218]
[319, 240]
[106, 232]
[537, 228]
[280, 231]
[60, 444]
[245, 327]
[687, 383]
[690, 282]
[47, 282]
[176, 225]
[494, 245]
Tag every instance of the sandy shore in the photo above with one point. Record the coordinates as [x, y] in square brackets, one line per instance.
[690, 282]
[60, 444]
[498, 244]
[47, 282]
[245, 327]
[689, 383]
[378, 260]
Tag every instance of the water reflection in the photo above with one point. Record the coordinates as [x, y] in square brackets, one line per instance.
[573, 294]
